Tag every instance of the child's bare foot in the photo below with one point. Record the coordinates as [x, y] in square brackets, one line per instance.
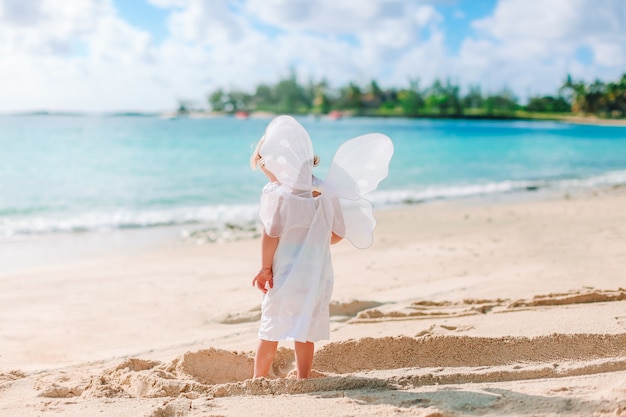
[293, 374]
[317, 374]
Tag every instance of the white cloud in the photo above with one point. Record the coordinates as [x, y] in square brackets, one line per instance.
[80, 54]
[77, 55]
[381, 33]
[208, 22]
[41, 27]
[20, 13]
[373, 18]
[610, 54]
[168, 3]
[340, 41]
[325, 16]
[555, 20]
[531, 46]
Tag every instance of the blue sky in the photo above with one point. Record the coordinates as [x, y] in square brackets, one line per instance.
[146, 55]
[457, 18]
[144, 15]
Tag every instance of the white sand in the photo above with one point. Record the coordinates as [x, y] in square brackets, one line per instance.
[460, 308]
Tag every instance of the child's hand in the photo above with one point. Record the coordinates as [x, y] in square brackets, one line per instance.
[263, 279]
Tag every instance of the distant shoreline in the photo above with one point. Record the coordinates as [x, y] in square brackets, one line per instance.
[567, 118]
[593, 121]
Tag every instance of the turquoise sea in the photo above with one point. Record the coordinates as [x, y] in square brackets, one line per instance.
[86, 174]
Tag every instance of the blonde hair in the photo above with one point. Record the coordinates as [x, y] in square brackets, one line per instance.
[257, 160]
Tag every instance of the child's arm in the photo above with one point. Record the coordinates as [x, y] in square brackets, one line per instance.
[339, 227]
[265, 276]
[335, 238]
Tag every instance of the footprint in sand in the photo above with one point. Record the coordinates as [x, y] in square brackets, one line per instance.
[350, 309]
[340, 311]
[252, 315]
[456, 328]
[427, 309]
[587, 295]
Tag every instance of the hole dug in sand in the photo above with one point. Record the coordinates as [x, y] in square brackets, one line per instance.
[210, 371]
[367, 363]
[191, 374]
[399, 361]
[214, 366]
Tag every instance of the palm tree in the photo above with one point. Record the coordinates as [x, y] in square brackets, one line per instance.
[504, 102]
[321, 101]
[436, 97]
[596, 97]
[616, 97]
[474, 98]
[576, 93]
[445, 97]
[375, 97]
[350, 97]
[411, 100]
[217, 100]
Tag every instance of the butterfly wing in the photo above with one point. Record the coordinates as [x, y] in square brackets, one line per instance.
[357, 168]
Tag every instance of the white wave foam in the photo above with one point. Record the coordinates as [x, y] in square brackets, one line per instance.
[127, 219]
[608, 178]
[386, 198]
[219, 215]
[394, 197]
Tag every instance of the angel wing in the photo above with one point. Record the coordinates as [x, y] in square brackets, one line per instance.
[357, 168]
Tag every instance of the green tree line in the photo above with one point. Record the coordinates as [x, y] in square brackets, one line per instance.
[441, 99]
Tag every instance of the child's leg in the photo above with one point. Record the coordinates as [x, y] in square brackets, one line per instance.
[304, 358]
[265, 352]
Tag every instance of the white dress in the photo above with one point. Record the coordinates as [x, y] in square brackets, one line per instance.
[297, 307]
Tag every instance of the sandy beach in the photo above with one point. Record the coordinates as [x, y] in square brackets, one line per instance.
[513, 306]
[593, 120]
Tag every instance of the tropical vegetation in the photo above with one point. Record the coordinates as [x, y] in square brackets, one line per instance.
[442, 98]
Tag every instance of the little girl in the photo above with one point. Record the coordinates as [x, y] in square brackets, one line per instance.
[302, 216]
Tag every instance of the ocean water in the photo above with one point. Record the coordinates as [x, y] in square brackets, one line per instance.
[91, 174]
